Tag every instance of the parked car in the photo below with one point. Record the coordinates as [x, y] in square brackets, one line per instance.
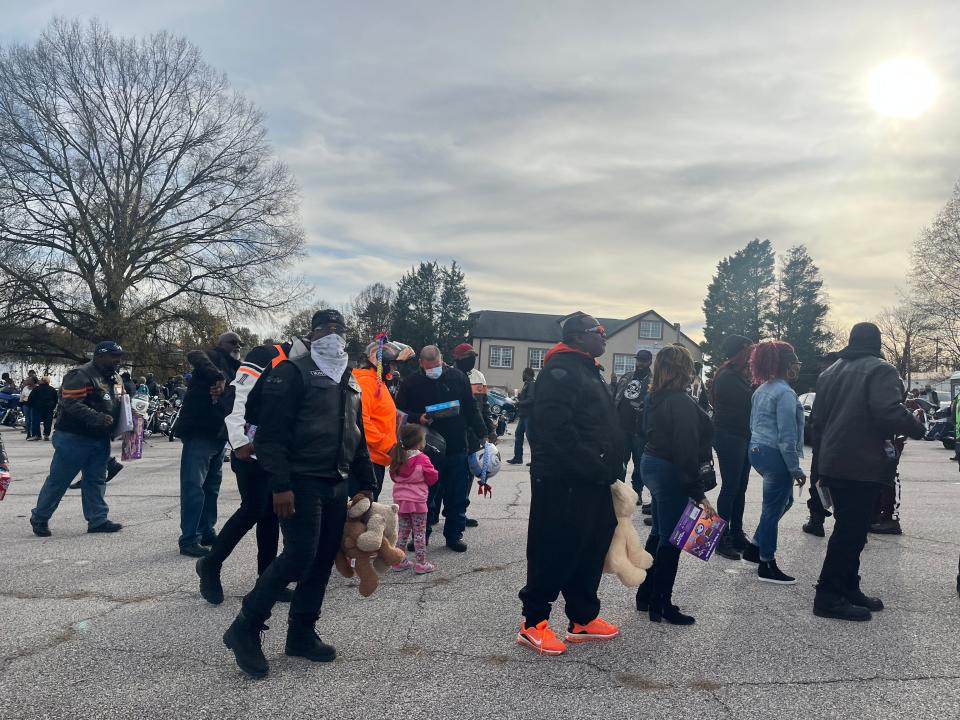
[500, 404]
[807, 401]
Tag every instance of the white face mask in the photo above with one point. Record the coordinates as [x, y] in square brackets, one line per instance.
[434, 373]
[329, 353]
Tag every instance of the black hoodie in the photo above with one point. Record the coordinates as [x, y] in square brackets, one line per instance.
[678, 430]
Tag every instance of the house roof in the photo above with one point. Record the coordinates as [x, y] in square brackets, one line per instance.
[536, 327]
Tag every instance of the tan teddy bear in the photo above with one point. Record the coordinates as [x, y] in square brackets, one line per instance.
[369, 538]
[626, 557]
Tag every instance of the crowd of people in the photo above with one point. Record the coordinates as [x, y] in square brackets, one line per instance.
[307, 434]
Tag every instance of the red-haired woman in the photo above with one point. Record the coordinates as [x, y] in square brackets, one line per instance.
[776, 446]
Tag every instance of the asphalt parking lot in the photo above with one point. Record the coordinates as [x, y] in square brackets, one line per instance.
[112, 626]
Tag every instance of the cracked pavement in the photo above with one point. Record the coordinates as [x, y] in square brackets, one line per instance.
[112, 626]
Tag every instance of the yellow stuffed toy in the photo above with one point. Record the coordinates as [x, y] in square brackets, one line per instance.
[626, 557]
[368, 545]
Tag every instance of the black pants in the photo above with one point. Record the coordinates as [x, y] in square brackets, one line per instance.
[311, 538]
[378, 471]
[853, 507]
[571, 525]
[256, 508]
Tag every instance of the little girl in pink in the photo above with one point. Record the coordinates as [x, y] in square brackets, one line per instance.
[412, 474]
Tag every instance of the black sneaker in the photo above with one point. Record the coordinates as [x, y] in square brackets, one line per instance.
[457, 545]
[840, 609]
[814, 526]
[886, 527]
[107, 526]
[726, 549]
[211, 589]
[305, 643]
[40, 529]
[243, 638]
[646, 509]
[856, 597]
[515, 461]
[769, 572]
[751, 554]
[195, 550]
[209, 540]
[113, 468]
[472, 523]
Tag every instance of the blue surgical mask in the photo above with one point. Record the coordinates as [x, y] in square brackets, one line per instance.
[434, 373]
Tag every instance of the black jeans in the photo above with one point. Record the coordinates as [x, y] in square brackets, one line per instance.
[256, 508]
[311, 539]
[378, 472]
[452, 491]
[734, 459]
[571, 525]
[853, 506]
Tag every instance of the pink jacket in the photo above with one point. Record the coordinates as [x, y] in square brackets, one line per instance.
[411, 483]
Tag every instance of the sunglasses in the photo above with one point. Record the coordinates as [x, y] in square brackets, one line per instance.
[598, 330]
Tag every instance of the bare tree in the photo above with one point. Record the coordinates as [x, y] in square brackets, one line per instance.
[135, 188]
[905, 332]
[371, 311]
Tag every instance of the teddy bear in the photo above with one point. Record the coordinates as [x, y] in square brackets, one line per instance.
[369, 539]
[626, 557]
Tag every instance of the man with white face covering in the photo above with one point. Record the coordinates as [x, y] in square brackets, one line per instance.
[310, 442]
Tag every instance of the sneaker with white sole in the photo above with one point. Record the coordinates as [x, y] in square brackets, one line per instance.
[769, 572]
[424, 568]
[401, 566]
[541, 639]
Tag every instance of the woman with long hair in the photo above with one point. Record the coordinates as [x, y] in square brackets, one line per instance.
[776, 446]
[678, 445]
[730, 395]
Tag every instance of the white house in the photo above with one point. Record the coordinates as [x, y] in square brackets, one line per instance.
[508, 342]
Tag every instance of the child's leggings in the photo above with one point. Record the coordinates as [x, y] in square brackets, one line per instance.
[417, 522]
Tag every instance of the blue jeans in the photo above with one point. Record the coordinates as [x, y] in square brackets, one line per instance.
[33, 422]
[201, 470]
[27, 419]
[777, 497]
[662, 478]
[72, 454]
[523, 424]
[732, 457]
[452, 490]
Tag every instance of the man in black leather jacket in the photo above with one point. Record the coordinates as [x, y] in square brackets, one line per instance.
[87, 421]
[310, 441]
[858, 411]
[577, 454]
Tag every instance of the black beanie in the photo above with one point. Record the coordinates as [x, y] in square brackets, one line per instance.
[326, 317]
[732, 344]
[865, 337]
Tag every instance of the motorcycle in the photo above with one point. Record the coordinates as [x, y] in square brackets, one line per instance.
[167, 417]
[10, 412]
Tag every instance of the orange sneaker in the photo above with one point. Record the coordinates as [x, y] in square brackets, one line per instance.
[540, 638]
[596, 629]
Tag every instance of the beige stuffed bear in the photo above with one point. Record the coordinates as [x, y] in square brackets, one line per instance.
[626, 557]
[369, 537]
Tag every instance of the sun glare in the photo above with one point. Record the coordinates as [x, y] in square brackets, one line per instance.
[902, 88]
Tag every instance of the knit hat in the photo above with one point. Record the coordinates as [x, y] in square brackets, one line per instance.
[865, 337]
[733, 344]
[326, 317]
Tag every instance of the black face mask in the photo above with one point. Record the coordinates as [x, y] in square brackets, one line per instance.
[466, 364]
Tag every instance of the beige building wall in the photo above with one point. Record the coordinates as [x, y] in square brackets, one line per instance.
[506, 379]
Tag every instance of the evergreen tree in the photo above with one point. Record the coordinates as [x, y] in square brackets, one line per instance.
[740, 297]
[799, 313]
[431, 307]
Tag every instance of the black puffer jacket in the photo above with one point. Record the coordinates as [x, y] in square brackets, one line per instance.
[859, 406]
[311, 427]
[678, 430]
[574, 429]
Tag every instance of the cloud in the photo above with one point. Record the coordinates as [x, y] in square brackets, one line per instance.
[600, 155]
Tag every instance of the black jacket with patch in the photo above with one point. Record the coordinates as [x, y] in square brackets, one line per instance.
[574, 429]
[417, 391]
[679, 431]
[88, 402]
[311, 427]
[629, 397]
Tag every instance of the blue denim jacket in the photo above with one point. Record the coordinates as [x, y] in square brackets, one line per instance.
[776, 420]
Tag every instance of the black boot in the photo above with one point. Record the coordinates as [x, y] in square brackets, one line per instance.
[856, 597]
[211, 589]
[303, 641]
[727, 549]
[243, 638]
[827, 604]
[661, 604]
[646, 587]
[814, 526]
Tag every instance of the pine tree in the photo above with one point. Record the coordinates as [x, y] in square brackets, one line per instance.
[740, 297]
[431, 307]
[799, 312]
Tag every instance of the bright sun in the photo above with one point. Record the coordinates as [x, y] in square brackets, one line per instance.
[902, 88]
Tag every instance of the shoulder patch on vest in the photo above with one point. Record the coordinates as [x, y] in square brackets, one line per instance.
[558, 373]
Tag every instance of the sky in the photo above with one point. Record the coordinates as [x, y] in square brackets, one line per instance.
[593, 155]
